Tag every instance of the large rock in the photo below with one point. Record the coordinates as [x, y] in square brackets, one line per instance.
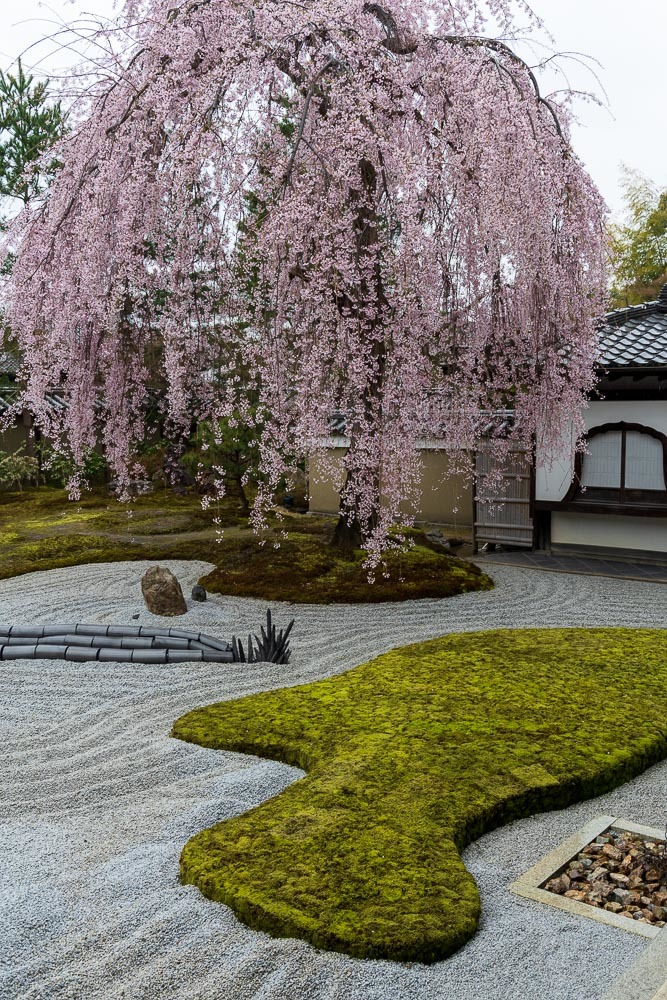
[162, 592]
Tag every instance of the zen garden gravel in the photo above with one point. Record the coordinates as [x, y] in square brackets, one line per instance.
[96, 802]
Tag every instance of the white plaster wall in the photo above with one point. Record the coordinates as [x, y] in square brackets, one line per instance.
[553, 478]
[647, 534]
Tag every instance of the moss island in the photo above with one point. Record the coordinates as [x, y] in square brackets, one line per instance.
[42, 529]
[409, 758]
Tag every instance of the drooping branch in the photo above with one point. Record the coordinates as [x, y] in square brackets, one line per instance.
[495, 45]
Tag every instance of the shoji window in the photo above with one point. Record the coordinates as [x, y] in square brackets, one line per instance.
[623, 464]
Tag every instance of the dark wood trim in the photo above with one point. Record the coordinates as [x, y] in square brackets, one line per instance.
[584, 507]
[623, 454]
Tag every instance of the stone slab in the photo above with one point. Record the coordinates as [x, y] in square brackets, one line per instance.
[645, 979]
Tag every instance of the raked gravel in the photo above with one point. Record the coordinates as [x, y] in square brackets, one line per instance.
[96, 802]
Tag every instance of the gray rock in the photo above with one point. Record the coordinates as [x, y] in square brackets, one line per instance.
[199, 593]
[436, 539]
[162, 592]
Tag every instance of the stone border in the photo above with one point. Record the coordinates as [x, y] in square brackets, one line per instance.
[645, 979]
[529, 885]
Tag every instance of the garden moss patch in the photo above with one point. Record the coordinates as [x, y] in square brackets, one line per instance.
[41, 529]
[304, 569]
[409, 758]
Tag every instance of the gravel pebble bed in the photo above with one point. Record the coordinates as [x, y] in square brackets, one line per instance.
[96, 802]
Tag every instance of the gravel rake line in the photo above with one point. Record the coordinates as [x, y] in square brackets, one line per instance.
[139, 644]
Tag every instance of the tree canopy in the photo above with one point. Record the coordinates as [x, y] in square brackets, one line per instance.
[639, 246]
[368, 209]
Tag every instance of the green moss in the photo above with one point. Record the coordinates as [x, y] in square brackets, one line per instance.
[42, 529]
[409, 758]
[304, 569]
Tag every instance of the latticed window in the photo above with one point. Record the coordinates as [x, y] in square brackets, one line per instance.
[624, 463]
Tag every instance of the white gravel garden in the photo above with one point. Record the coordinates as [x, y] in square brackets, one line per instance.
[96, 802]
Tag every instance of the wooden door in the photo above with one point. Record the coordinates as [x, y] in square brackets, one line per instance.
[506, 517]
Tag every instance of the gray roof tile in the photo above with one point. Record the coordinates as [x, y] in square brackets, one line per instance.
[636, 336]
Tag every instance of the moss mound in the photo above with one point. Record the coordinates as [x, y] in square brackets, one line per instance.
[304, 569]
[409, 758]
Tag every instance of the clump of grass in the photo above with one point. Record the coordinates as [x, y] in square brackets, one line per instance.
[410, 757]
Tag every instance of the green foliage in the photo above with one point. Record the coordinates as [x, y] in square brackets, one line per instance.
[17, 469]
[59, 466]
[410, 757]
[639, 248]
[225, 449]
[29, 125]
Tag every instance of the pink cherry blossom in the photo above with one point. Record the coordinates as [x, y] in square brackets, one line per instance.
[291, 209]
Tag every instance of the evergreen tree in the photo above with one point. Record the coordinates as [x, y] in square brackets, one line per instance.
[30, 123]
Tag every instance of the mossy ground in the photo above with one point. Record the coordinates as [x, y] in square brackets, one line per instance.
[42, 529]
[305, 569]
[409, 758]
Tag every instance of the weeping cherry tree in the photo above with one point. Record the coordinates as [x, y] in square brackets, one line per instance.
[334, 207]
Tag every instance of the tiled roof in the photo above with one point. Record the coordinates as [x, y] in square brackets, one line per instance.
[9, 363]
[9, 397]
[637, 336]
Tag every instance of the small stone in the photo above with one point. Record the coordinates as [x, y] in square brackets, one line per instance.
[613, 907]
[558, 885]
[199, 593]
[620, 896]
[646, 913]
[659, 912]
[652, 875]
[575, 894]
[575, 875]
[618, 878]
[162, 592]
[602, 840]
[597, 873]
[612, 852]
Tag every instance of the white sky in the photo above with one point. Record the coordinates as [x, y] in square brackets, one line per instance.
[628, 40]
